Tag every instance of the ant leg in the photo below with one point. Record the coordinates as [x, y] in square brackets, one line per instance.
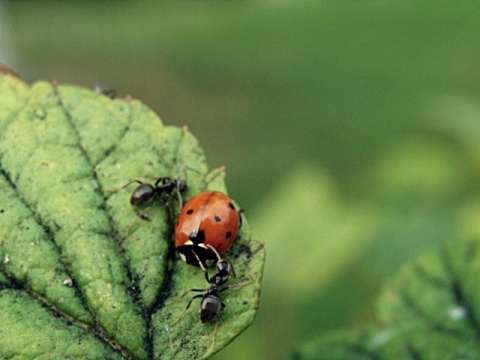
[236, 285]
[140, 215]
[185, 174]
[186, 167]
[194, 290]
[179, 198]
[215, 251]
[231, 266]
[193, 298]
[220, 259]
[157, 181]
[170, 216]
[185, 293]
[160, 179]
[131, 182]
[217, 325]
[167, 199]
[188, 305]
[170, 209]
[214, 338]
[124, 186]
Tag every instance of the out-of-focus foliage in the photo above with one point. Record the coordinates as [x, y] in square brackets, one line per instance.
[349, 129]
[430, 311]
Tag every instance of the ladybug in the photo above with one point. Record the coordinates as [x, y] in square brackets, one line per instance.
[208, 220]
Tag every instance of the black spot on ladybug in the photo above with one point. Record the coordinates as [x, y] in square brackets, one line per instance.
[189, 211]
[217, 218]
[230, 205]
[197, 237]
[228, 235]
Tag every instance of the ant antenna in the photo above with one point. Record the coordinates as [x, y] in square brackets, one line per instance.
[221, 261]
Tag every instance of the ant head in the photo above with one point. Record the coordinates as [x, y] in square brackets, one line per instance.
[224, 269]
[181, 184]
[223, 274]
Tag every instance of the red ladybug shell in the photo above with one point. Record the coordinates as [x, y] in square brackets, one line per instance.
[209, 218]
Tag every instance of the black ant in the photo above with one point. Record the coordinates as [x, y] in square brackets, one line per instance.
[164, 188]
[110, 93]
[211, 303]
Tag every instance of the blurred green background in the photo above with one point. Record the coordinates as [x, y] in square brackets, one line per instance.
[350, 129]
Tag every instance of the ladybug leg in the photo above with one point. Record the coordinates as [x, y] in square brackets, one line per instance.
[240, 217]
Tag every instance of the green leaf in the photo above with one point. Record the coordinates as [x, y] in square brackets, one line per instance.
[430, 311]
[82, 276]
